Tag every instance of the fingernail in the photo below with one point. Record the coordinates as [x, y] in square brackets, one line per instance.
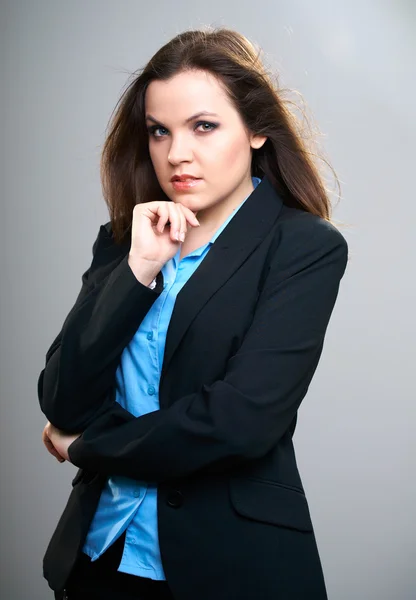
[177, 235]
[182, 237]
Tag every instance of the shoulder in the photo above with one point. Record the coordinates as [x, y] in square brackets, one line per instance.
[107, 228]
[105, 231]
[299, 227]
[104, 236]
[303, 239]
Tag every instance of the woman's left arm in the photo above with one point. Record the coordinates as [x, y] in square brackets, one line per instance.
[243, 415]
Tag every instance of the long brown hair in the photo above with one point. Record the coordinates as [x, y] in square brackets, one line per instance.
[127, 173]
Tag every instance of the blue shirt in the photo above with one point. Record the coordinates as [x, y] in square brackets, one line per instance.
[127, 504]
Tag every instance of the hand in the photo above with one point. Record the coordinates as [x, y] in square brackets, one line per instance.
[153, 242]
[49, 445]
[57, 442]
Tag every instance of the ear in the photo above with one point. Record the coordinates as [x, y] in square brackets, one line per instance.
[257, 141]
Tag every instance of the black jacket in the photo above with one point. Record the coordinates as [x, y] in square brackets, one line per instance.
[243, 343]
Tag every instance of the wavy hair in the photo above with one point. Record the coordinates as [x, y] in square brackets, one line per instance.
[286, 158]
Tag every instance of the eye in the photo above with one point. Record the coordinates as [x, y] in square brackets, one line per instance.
[211, 126]
[154, 129]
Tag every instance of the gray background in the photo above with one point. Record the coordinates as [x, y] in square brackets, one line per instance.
[63, 67]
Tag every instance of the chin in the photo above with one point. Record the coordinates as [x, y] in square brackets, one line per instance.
[194, 204]
[187, 200]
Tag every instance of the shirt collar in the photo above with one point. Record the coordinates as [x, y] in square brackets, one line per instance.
[256, 181]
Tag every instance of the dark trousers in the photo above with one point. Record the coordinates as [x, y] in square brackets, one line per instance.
[100, 580]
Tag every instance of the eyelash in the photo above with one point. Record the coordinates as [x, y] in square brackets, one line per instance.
[152, 130]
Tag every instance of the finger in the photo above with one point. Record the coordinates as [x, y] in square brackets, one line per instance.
[163, 217]
[52, 450]
[190, 216]
[45, 436]
[157, 212]
[56, 454]
[50, 447]
[183, 222]
[175, 222]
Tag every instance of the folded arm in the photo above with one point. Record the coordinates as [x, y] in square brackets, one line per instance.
[81, 363]
[243, 415]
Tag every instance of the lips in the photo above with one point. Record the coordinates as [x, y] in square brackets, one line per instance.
[185, 185]
[184, 178]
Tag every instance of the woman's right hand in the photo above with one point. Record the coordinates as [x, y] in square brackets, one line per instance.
[157, 230]
[46, 439]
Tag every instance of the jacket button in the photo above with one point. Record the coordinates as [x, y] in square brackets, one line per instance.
[175, 499]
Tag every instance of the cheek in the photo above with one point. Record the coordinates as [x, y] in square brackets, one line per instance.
[153, 155]
[230, 153]
[156, 156]
[158, 166]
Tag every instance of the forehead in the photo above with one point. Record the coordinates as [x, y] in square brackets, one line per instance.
[185, 94]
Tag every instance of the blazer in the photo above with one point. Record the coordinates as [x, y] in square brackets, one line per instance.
[243, 343]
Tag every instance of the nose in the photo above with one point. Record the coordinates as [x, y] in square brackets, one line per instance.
[180, 151]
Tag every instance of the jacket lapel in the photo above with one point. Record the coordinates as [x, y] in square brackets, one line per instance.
[232, 247]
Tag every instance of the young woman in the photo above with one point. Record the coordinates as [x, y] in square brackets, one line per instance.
[175, 381]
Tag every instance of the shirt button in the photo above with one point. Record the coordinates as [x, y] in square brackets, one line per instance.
[151, 390]
[150, 335]
[136, 493]
[175, 499]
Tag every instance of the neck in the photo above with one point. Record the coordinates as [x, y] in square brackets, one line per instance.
[213, 217]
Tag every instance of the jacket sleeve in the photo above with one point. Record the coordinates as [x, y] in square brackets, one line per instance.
[243, 415]
[81, 363]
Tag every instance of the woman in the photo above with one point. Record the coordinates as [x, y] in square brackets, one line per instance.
[175, 381]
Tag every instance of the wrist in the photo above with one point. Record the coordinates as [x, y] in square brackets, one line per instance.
[144, 270]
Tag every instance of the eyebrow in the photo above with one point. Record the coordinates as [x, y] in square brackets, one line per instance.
[196, 116]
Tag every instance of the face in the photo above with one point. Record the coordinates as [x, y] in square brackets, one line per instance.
[195, 130]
